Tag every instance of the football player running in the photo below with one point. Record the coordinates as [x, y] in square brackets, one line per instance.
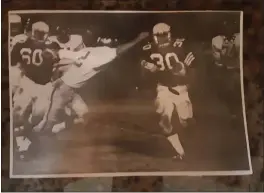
[226, 55]
[167, 60]
[88, 62]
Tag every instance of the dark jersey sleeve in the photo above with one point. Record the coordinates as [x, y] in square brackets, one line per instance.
[146, 52]
[15, 54]
[185, 51]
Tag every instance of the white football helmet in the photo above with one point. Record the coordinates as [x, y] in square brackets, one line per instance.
[40, 31]
[162, 34]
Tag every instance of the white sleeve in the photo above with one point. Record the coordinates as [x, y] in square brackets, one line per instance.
[101, 55]
[77, 42]
[67, 54]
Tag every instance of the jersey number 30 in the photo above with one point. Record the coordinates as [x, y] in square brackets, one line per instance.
[165, 62]
[32, 57]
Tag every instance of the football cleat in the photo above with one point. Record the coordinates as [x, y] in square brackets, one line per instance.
[178, 157]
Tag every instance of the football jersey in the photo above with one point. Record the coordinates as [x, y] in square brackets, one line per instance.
[75, 42]
[170, 60]
[226, 51]
[34, 64]
[96, 57]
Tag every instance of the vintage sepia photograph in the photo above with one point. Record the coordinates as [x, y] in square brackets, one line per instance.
[127, 93]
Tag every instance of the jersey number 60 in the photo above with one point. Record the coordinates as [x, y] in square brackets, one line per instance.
[30, 57]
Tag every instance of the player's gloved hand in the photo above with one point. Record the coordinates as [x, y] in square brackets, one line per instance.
[149, 66]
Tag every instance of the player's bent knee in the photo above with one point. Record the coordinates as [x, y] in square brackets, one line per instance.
[165, 124]
[164, 107]
[185, 110]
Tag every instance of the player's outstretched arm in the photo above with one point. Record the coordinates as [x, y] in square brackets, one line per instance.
[67, 54]
[123, 48]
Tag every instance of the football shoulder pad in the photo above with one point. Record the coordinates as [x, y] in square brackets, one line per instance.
[76, 38]
[76, 42]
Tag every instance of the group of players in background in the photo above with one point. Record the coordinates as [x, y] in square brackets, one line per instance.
[46, 71]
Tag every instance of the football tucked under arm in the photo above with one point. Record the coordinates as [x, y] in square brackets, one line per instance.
[149, 66]
[179, 69]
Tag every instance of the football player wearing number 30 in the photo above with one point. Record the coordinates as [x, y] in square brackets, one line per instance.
[87, 63]
[167, 60]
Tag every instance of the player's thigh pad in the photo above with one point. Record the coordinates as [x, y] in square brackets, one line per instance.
[41, 102]
[15, 77]
[164, 104]
[184, 106]
[22, 101]
[79, 106]
[39, 109]
[44, 91]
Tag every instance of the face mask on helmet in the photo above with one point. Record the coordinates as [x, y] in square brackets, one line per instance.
[40, 31]
[63, 34]
[162, 35]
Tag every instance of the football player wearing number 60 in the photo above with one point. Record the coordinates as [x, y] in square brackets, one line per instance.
[86, 64]
[35, 86]
[168, 61]
[31, 99]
